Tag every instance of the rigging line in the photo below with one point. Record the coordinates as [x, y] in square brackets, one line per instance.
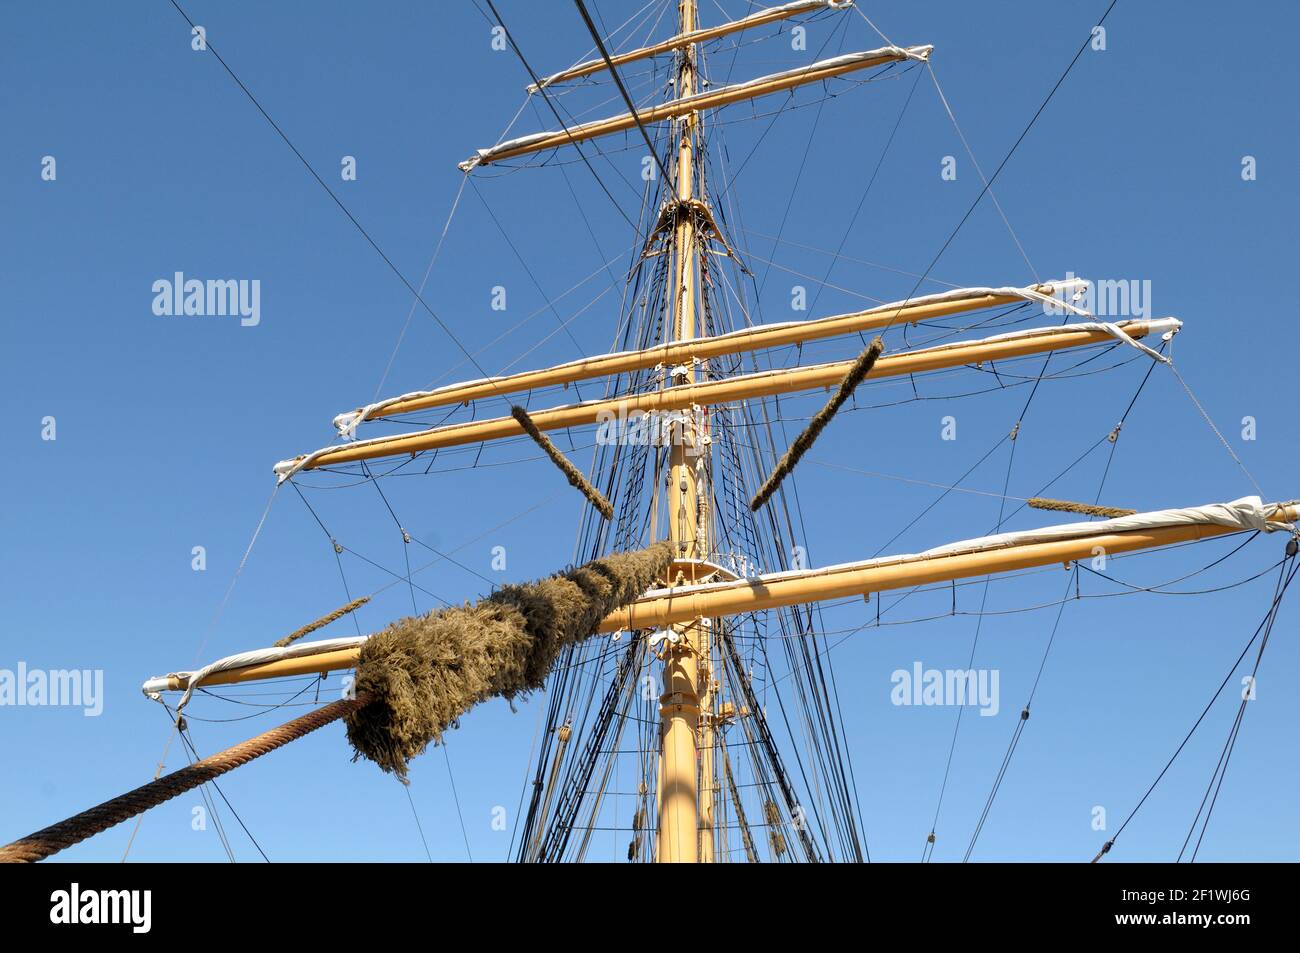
[547, 99]
[513, 120]
[776, 114]
[564, 325]
[418, 826]
[1005, 159]
[618, 81]
[1284, 580]
[979, 626]
[866, 192]
[337, 549]
[187, 738]
[586, 221]
[523, 788]
[820, 282]
[454, 562]
[437, 250]
[1227, 446]
[406, 537]
[975, 162]
[248, 550]
[519, 324]
[1221, 769]
[850, 631]
[208, 804]
[856, 261]
[211, 808]
[937, 500]
[816, 678]
[456, 799]
[162, 762]
[337, 201]
[310, 681]
[1161, 588]
[216, 617]
[441, 555]
[815, 674]
[1022, 720]
[777, 542]
[1114, 443]
[888, 41]
[644, 13]
[338, 561]
[1220, 766]
[901, 479]
[803, 163]
[397, 577]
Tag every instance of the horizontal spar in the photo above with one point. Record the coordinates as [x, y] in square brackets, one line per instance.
[761, 337]
[683, 40]
[1006, 552]
[710, 99]
[765, 384]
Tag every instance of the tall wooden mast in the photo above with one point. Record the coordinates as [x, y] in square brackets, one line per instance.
[686, 660]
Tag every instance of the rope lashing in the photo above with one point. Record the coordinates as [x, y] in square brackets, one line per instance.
[75, 829]
[802, 443]
[323, 621]
[1087, 509]
[576, 477]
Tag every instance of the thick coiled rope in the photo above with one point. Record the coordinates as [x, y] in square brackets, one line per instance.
[75, 829]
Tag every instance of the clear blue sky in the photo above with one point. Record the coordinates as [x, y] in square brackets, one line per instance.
[167, 427]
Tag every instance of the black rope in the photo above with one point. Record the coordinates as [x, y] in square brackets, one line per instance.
[618, 81]
[560, 119]
[1284, 581]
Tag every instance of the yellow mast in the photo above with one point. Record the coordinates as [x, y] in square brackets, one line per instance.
[686, 660]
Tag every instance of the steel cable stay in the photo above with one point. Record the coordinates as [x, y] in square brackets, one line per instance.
[1286, 574]
[540, 761]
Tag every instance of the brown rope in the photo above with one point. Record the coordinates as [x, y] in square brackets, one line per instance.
[323, 621]
[1087, 509]
[860, 369]
[75, 829]
[576, 477]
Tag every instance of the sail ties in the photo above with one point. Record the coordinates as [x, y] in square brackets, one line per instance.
[577, 479]
[860, 369]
